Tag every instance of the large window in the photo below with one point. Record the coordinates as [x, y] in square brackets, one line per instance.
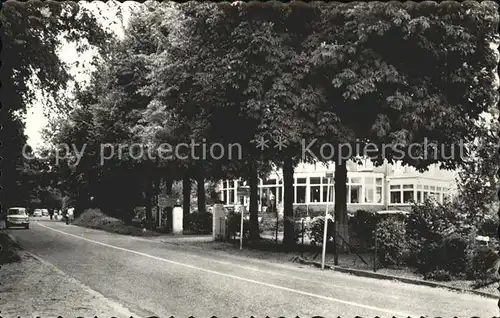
[355, 187]
[369, 190]
[270, 182]
[228, 195]
[272, 194]
[395, 194]
[327, 196]
[314, 190]
[373, 190]
[402, 193]
[378, 189]
[279, 195]
[425, 192]
[361, 189]
[408, 193]
[300, 190]
[269, 198]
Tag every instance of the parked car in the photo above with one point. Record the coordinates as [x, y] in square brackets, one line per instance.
[17, 217]
[37, 213]
[45, 212]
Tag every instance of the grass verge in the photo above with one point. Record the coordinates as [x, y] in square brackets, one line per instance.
[8, 249]
[266, 249]
[95, 219]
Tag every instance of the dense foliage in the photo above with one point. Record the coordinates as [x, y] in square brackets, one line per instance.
[393, 73]
[32, 33]
[391, 243]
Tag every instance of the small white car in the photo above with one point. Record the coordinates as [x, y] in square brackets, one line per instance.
[17, 217]
[37, 213]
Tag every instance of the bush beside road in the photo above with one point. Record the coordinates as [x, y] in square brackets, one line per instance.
[95, 219]
[9, 249]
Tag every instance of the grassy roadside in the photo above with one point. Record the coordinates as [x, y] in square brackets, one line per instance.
[9, 249]
[95, 219]
[265, 249]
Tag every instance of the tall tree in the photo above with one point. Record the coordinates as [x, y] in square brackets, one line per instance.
[32, 33]
[434, 85]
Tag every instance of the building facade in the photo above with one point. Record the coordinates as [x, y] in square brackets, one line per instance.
[389, 186]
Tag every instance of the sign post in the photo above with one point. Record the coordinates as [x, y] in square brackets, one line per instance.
[329, 176]
[244, 190]
[241, 227]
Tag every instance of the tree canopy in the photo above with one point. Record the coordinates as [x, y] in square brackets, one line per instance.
[389, 74]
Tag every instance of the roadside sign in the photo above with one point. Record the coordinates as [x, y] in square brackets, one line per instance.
[244, 190]
[166, 201]
[329, 175]
[162, 201]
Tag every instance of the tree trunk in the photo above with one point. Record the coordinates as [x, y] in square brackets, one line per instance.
[186, 199]
[169, 209]
[149, 206]
[341, 218]
[288, 235]
[254, 202]
[200, 183]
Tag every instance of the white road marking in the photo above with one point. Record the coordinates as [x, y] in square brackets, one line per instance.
[257, 269]
[284, 275]
[392, 312]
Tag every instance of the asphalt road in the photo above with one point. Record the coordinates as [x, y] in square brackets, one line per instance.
[153, 278]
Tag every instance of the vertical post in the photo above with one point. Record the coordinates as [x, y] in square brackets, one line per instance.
[323, 254]
[159, 215]
[302, 254]
[241, 228]
[335, 245]
[375, 253]
[386, 191]
[220, 229]
[277, 225]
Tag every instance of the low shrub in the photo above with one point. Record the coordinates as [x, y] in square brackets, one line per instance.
[440, 275]
[234, 225]
[269, 224]
[299, 212]
[484, 263]
[454, 254]
[488, 227]
[95, 219]
[297, 230]
[317, 228]
[361, 229]
[8, 250]
[391, 242]
[199, 223]
[425, 228]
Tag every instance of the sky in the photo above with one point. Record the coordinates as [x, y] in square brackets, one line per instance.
[36, 119]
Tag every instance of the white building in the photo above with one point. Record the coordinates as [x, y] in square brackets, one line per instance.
[390, 186]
